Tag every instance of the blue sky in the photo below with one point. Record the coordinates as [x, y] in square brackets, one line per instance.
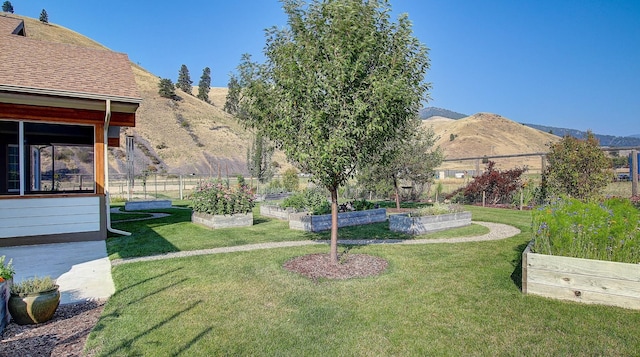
[564, 63]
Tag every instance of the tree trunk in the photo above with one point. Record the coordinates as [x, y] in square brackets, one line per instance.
[334, 225]
[397, 192]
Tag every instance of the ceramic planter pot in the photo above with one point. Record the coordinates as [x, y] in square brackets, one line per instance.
[34, 308]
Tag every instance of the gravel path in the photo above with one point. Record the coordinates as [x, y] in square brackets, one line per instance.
[496, 231]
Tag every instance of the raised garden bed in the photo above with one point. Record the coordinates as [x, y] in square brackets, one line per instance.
[278, 212]
[317, 223]
[581, 280]
[145, 205]
[215, 221]
[426, 224]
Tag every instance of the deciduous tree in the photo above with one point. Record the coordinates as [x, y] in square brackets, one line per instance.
[409, 161]
[577, 168]
[340, 83]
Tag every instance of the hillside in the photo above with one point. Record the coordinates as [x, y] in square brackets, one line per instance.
[429, 112]
[486, 134]
[605, 140]
[190, 136]
[183, 136]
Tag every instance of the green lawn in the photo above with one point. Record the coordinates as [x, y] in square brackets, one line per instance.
[434, 299]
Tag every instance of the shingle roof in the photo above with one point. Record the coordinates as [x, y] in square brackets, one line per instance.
[29, 63]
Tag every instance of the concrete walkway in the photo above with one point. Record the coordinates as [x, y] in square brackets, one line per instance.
[496, 231]
[83, 271]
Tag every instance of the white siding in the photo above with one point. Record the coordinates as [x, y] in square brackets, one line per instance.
[56, 215]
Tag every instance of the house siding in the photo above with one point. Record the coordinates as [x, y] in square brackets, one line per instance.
[49, 216]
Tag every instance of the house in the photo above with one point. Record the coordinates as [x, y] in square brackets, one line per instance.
[58, 99]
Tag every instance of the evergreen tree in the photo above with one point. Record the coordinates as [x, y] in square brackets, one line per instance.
[233, 96]
[184, 80]
[204, 85]
[259, 156]
[44, 17]
[166, 88]
[7, 7]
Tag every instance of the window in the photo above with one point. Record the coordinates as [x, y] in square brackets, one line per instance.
[58, 158]
[13, 168]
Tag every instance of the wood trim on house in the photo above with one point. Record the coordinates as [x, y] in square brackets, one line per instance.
[64, 115]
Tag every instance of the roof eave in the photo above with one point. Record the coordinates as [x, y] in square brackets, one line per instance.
[69, 94]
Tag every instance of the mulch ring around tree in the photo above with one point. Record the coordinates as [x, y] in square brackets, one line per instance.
[319, 266]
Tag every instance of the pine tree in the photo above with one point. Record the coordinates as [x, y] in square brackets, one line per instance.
[7, 7]
[44, 17]
[166, 88]
[184, 80]
[259, 156]
[204, 85]
[233, 96]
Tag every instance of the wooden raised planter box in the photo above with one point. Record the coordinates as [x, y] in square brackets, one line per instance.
[581, 280]
[277, 212]
[317, 223]
[222, 221]
[427, 224]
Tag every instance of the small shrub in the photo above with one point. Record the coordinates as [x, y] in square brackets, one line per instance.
[295, 201]
[313, 200]
[362, 205]
[6, 269]
[33, 285]
[497, 186]
[216, 197]
[290, 180]
[436, 209]
[606, 230]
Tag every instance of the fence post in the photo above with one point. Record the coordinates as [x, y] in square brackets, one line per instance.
[483, 197]
[180, 186]
[634, 172]
[521, 198]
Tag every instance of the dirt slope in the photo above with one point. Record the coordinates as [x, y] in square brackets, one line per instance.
[486, 134]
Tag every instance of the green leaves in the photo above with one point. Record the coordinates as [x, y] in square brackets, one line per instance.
[338, 84]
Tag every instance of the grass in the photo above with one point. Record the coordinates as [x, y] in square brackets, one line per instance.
[177, 233]
[435, 299]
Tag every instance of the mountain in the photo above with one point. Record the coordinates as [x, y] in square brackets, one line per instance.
[429, 112]
[605, 140]
[487, 134]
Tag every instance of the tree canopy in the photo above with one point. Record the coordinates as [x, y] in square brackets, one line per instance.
[339, 83]
[204, 85]
[577, 168]
[7, 7]
[166, 88]
[44, 17]
[184, 79]
[233, 96]
[410, 161]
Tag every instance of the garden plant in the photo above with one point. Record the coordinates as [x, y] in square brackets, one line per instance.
[216, 197]
[607, 229]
